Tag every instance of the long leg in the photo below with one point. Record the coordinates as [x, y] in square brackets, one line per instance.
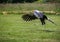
[42, 21]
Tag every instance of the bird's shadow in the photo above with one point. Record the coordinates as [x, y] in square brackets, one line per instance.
[48, 31]
[28, 17]
[56, 31]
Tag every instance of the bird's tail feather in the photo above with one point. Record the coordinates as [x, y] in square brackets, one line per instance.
[51, 21]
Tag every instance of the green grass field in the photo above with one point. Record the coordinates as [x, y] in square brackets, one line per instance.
[30, 6]
[14, 29]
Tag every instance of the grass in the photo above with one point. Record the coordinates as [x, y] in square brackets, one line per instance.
[23, 7]
[28, 6]
[14, 29]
